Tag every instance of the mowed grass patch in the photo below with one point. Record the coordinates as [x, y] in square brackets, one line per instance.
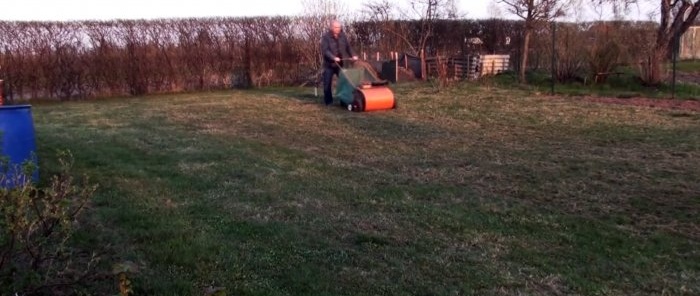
[469, 190]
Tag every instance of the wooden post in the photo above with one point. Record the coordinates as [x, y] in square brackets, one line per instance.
[422, 65]
[377, 56]
[2, 92]
[405, 61]
[364, 56]
[396, 66]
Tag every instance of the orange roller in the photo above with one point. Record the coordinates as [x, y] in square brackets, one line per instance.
[374, 98]
[359, 89]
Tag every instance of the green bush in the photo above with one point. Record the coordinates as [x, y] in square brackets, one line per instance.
[35, 228]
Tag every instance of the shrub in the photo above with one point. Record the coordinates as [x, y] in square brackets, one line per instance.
[36, 226]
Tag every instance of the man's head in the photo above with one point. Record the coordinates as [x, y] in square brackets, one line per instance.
[335, 27]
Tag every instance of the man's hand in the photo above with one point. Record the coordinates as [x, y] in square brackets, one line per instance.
[354, 58]
[337, 60]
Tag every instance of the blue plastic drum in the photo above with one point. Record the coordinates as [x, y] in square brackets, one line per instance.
[18, 145]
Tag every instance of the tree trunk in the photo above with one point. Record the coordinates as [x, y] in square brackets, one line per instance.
[524, 55]
[656, 72]
[676, 18]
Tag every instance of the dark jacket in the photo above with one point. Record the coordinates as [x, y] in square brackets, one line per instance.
[331, 48]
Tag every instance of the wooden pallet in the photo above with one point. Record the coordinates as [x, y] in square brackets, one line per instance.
[494, 64]
[472, 67]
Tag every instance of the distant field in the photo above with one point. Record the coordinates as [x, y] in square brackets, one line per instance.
[466, 191]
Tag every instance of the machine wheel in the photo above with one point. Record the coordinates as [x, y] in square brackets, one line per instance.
[358, 102]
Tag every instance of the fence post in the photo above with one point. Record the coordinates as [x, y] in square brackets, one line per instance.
[422, 65]
[2, 92]
[396, 65]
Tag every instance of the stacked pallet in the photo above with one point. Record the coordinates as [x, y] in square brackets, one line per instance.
[464, 68]
[433, 65]
[455, 67]
[494, 64]
[471, 67]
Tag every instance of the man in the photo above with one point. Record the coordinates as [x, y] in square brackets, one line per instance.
[335, 48]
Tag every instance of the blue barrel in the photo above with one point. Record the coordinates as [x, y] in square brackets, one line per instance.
[17, 143]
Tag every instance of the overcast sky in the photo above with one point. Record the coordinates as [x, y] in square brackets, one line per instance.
[61, 10]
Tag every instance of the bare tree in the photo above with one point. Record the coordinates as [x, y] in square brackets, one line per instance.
[534, 13]
[428, 12]
[315, 20]
[383, 17]
[425, 12]
[618, 7]
[675, 17]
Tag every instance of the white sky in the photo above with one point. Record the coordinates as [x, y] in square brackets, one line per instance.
[62, 10]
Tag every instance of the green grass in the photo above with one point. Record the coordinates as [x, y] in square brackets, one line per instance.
[690, 66]
[624, 85]
[471, 190]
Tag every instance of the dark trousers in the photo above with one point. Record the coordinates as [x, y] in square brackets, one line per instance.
[328, 73]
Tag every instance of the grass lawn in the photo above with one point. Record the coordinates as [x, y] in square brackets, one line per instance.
[626, 84]
[472, 190]
[691, 66]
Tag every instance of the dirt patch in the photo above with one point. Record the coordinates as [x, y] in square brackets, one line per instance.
[688, 105]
